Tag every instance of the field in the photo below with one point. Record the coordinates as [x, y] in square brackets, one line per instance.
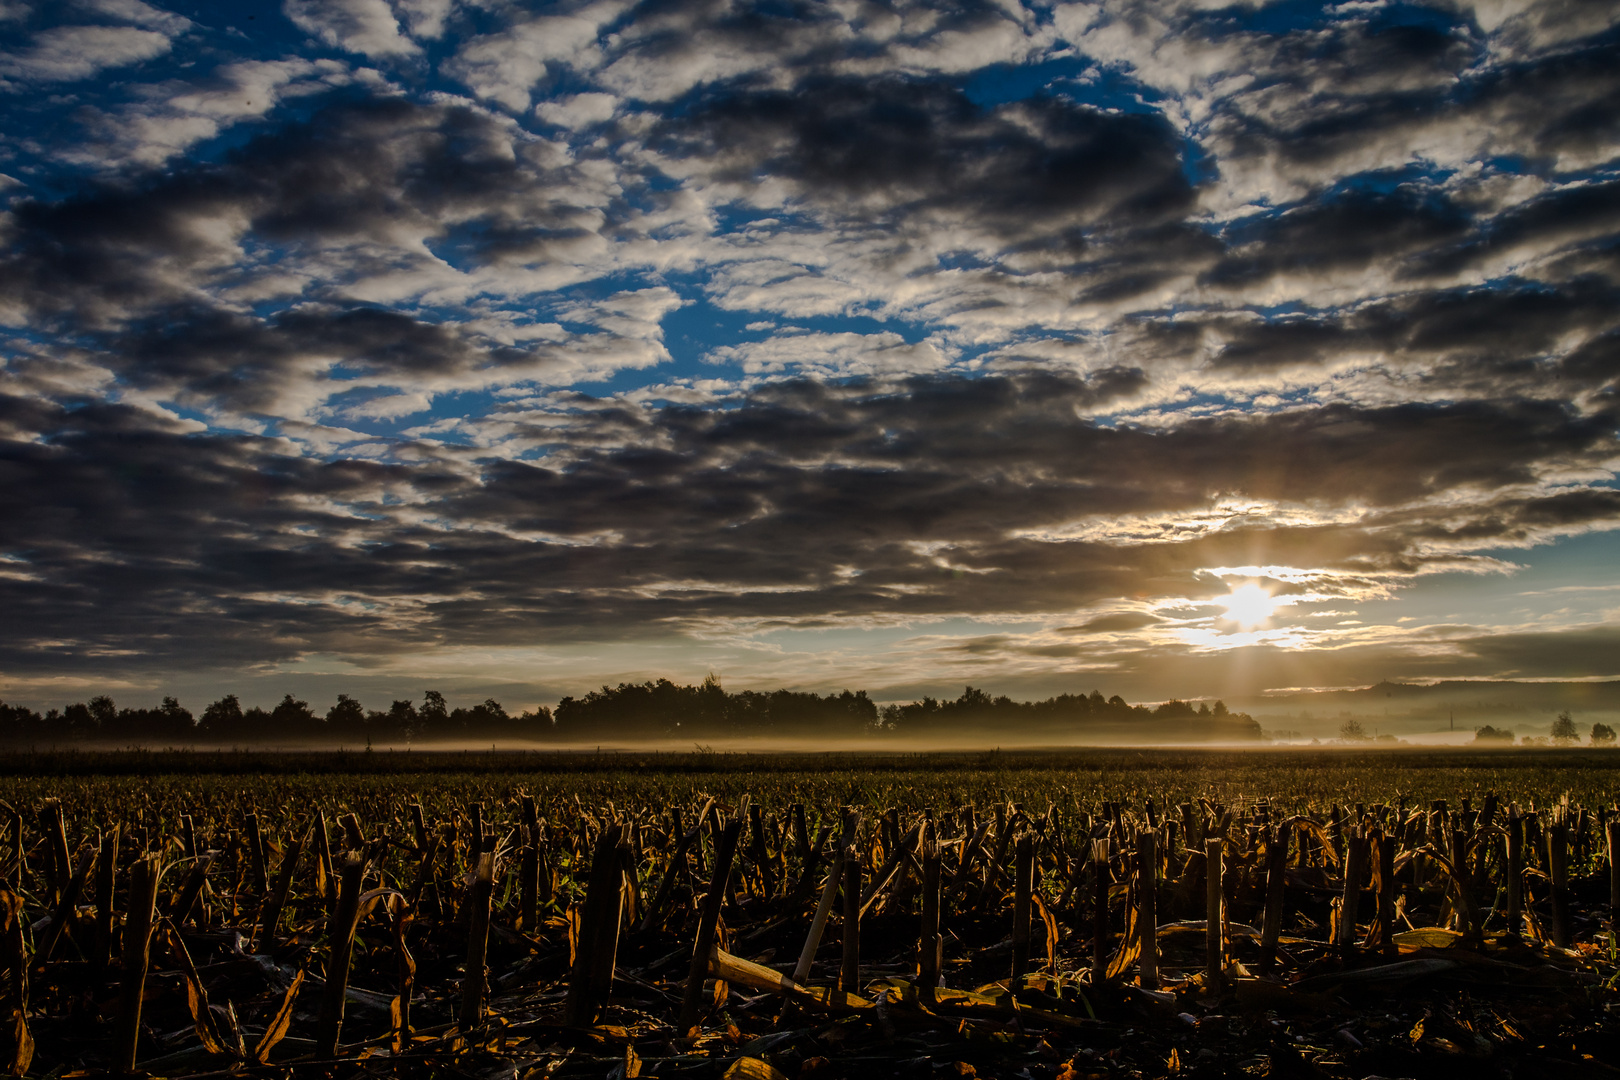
[1104, 913]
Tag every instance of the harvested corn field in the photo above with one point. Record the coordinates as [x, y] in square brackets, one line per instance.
[1100, 915]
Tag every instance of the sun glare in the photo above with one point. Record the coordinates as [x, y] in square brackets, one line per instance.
[1248, 605]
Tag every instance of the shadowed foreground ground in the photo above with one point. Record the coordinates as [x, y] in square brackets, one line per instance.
[584, 883]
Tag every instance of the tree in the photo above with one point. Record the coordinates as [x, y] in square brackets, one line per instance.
[1564, 732]
[18, 722]
[76, 722]
[398, 724]
[291, 719]
[1488, 734]
[1602, 735]
[480, 720]
[177, 719]
[223, 718]
[433, 718]
[255, 721]
[1352, 731]
[346, 718]
[532, 724]
[104, 712]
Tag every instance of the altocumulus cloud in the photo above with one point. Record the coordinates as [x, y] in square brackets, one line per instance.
[891, 344]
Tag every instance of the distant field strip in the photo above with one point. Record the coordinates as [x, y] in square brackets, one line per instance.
[1073, 779]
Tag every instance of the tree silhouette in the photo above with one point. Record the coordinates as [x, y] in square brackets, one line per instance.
[653, 709]
[346, 719]
[1564, 731]
[433, 718]
[292, 719]
[103, 711]
[223, 719]
[398, 724]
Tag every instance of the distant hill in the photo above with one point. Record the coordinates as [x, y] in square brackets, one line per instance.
[1472, 703]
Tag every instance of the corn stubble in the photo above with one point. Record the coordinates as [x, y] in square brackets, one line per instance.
[482, 926]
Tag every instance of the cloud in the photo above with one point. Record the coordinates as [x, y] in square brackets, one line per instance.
[359, 191]
[137, 13]
[67, 53]
[425, 18]
[175, 115]
[834, 355]
[505, 66]
[360, 26]
[900, 148]
[906, 199]
[347, 212]
[295, 364]
[1320, 242]
[1287, 113]
[668, 50]
[578, 111]
[1520, 28]
[924, 495]
[1103, 624]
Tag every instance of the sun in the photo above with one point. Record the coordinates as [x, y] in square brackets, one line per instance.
[1248, 605]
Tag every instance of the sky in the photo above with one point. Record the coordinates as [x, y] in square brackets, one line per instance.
[1162, 348]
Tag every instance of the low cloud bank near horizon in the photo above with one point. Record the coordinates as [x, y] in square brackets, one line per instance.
[895, 347]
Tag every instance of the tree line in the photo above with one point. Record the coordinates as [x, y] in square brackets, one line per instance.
[226, 722]
[977, 709]
[1564, 732]
[656, 709]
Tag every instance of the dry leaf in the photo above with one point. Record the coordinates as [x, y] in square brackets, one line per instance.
[752, 1069]
[1429, 937]
[196, 995]
[22, 1042]
[278, 1026]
